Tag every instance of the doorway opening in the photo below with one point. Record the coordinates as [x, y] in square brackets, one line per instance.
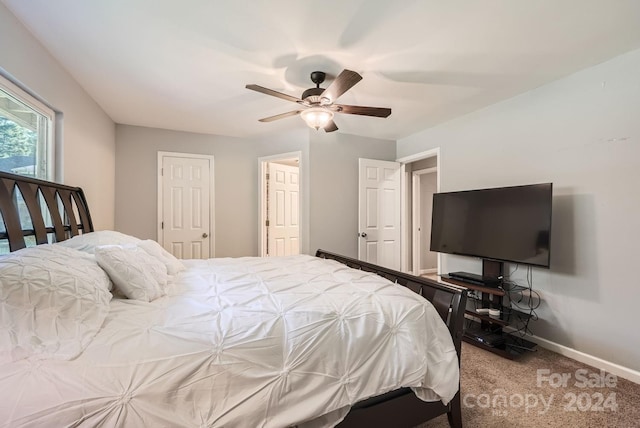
[280, 196]
[424, 184]
[420, 180]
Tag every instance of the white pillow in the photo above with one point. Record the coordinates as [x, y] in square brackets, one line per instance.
[135, 273]
[89, 241]
[53, 300]
[154, 249]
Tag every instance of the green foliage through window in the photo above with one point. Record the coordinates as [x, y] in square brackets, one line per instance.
[16, 140]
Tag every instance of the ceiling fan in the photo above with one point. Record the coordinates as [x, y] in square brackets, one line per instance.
[317, 105]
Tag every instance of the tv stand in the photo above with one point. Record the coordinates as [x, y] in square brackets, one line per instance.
[484, 330]
[491, 274]
[475, 279]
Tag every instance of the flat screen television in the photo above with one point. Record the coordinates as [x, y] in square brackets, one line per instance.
[506, 224]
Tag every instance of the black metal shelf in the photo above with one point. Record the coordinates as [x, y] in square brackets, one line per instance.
[498, 291]
[486, 331]
[508, 315]
[511, 347]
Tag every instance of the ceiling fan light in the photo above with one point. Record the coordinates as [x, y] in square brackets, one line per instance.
[317, 117]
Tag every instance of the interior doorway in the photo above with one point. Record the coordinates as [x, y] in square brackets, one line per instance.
[424, 184]
[420, 180]
[280, 196]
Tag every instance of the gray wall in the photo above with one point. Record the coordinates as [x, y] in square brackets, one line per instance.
[236, 181]
[583, 134]
[86, 155]
[334, 187]
[329, 174]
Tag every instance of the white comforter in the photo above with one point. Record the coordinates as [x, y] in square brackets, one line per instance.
[244, 342]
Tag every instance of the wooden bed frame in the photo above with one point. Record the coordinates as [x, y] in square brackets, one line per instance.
[58, 212]
[63, 214]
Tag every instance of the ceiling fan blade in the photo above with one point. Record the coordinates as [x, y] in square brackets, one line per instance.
[273, 93]
[280, 116]
[364, 111]
[340, 85]
[330, 127]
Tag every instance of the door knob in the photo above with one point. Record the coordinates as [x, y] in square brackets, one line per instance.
[205, 235]
[363, 234]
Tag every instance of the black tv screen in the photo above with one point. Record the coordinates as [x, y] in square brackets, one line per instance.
[511, 224]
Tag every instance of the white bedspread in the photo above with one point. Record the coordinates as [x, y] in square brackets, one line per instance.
[244, 342]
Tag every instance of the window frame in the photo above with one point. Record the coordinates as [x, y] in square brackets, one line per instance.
[46, 168]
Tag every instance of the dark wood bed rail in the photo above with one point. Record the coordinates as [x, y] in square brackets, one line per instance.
[64, 208]
[401, 408]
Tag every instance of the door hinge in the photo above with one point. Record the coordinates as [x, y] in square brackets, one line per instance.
[162, 225]
[267, 223]
[162, 171]
[267, 176]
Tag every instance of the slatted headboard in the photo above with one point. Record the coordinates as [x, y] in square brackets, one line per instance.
[46, 211]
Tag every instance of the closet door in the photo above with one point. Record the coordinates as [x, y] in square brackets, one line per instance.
[379, 213]
[185, 205]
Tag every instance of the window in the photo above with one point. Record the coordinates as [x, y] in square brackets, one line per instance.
[26, 146]
[26, 133]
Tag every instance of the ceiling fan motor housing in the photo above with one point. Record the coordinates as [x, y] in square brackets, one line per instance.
[312, 92]
[317, 77]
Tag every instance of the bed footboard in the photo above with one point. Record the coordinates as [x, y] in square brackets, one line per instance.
[402, 408]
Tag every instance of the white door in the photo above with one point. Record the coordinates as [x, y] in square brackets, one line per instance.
[185, 204]
[283, 204]
[379, 212]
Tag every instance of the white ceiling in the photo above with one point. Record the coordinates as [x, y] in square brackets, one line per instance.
[184, 65]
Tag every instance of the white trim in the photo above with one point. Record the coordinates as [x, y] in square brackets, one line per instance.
[38, 101]
[425, 171]
[27, 98]
[428, 271]
[262, 171]
[404, 220]
[405, 230]
[419, 156]
[415, 216]
[599, 363]
[212, 210]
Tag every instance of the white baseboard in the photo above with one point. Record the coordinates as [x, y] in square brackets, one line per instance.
[599, 363]
[426, 271]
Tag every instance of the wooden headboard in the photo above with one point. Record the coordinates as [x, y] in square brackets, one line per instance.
[40, 211]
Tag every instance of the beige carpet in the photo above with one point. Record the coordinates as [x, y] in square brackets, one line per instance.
[583, 399]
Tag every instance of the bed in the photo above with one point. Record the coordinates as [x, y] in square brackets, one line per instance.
[273, 342]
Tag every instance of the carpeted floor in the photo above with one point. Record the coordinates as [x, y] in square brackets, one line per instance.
[541, 389]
